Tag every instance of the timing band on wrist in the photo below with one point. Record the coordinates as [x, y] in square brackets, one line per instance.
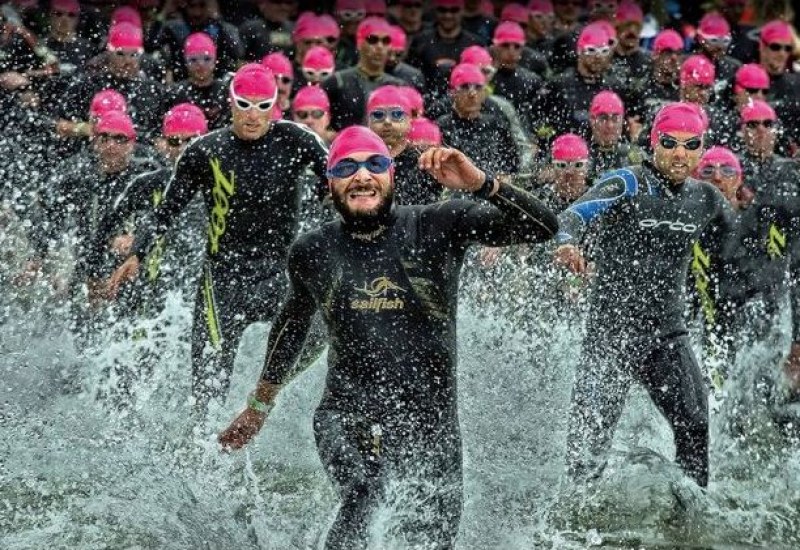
[256, 405]
[487, 187]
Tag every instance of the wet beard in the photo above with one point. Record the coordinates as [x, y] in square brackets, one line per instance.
[365, 222]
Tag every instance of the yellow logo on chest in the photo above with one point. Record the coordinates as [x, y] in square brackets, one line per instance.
[378, 297]
[223, 189]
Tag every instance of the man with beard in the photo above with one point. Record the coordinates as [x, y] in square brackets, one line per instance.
[249, 175]
[386, 281]
[646, 222]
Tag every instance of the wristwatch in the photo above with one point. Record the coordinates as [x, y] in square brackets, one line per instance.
[487, 187]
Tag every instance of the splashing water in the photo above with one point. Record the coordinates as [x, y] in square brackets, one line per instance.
[76, 472]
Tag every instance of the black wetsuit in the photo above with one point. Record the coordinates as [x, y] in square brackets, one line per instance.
[412, 185]
[768, 231]
[487, 140]
[252, 195]
[212, 99]
[388, 298]
[348, 91]
[620, 155]
[646, 228]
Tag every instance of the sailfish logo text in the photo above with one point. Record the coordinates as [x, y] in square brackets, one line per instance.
[223, 189]
[377, 299]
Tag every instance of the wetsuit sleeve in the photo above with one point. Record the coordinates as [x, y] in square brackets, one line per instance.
[317, 153]
[182, 186]
[129, 201]
[513, 216]
[608, 191]
[291, 326]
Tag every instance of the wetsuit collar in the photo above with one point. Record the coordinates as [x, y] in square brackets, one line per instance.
[369, 229]
[660, 184]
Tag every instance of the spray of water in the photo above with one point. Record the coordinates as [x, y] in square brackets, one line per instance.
[84, 467]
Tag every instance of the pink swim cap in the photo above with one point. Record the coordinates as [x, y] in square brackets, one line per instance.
[375, 8]
[67, 6]
[328, 27]
[319, 58]
[719, 155]
[185, 118]
[415, 100]
[125, 36]
[569, 147]
[751, 75]
[514, 12]
[279, 64]
[667, 40]
[476, 55]
[311, 97]
[304, 26]
[594, 35]
[388, 96]
[509, 32]
[199, 43]
[372, 25]
[606, 103]
[116, 123]
[629, 12]
[255, 80]
[678, 117]
[758, 110]
[540, 6]
[350, 5]
[465, 73]
[713, 25]
[126, 14]
[399, 38]
[697, 69]
[424, 132]
[355, 139]
[776, 31]
[106, 101]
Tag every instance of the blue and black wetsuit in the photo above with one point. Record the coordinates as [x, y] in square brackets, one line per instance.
[252, 193]
[643, 230]
[388, 295]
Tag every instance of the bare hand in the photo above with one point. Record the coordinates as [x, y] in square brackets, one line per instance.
[791, 368]
[31, 272]
[242, 430]
[570, 257]
[489, 256]
[121, 245]
[13, 80]
[128, 271]
[452, 169]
